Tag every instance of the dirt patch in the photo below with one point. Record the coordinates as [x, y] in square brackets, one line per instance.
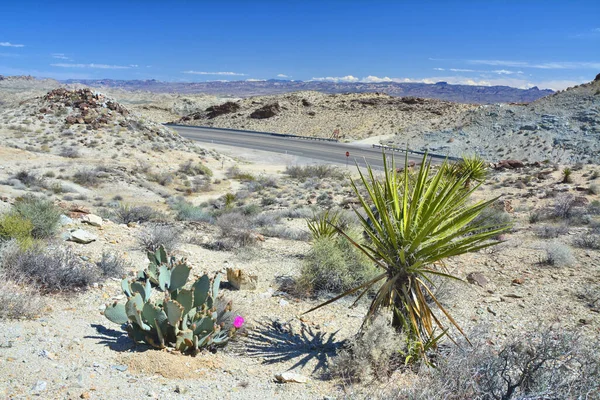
[170, 365]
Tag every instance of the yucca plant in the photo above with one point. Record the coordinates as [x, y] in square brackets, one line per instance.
[323, 224]
[413, 223]
[473, 167]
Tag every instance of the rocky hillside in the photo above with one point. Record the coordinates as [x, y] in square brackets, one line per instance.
[355, 115]
[82, 119]
[440, 90]
[563, 127]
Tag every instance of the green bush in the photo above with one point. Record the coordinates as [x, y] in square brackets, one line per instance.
[42, 213]
[188, 212]
[334, 265]
[14, 226]
[125, 214]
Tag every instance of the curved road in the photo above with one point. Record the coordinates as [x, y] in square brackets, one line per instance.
[333, 152]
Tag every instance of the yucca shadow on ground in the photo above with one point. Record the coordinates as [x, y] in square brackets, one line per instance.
[278, 342]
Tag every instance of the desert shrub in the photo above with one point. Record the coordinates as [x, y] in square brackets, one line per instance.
[313, 171]
[42, 213]
[284, 232]
[188, 212]
[28, 179]
[535, 216]
[125, 214]
[372, 355]
[51, 266]
[162, 178]
[251, 210]
[594, 189]
[87, 177]
[551, 231]
[588, 240]
[236, 173]
[594, 207]
[153, 236]
[333, 265]
[297, 212]
[70, 152]
[236, 231]
[558, 254]
[564, 206]
[112, 265]
[492, 218]
[18, 300]
[543, 364]
[192, 169]
[14, 226]
[266, 219]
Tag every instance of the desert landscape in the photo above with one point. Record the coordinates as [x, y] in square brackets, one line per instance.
[106, 182]
[292, 201]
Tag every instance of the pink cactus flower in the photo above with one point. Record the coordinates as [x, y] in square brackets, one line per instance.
[238, 322]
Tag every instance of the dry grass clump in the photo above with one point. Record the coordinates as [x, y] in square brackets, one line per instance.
[544, 364]
[236, 231]
[18, 300]
[558, 255]
[112, 265]
[155, 235]
[125, 214]
[51, 266]
[372, 355]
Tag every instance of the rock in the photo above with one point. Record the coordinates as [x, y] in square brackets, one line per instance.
[92, 219]
[64, 220]
[477, 278]
[509, 164]
[290, 377]
[268, 111]
[82, 236]
[39, 386]
[121, 368]
[283, 302]
[225, 108]
[518, 281]
[240, 280]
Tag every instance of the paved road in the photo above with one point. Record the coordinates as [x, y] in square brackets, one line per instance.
[320, 150]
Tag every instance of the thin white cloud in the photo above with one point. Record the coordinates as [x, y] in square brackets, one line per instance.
[61, 56]
[439, 69]
[9, 44]
[347, 78]
[94, 66]
[255, 80]
[282, 76]
[213, 73]
[462, 70]
[547, 65]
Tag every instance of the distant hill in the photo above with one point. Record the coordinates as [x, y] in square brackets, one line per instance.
[563, 127]
[440, 90]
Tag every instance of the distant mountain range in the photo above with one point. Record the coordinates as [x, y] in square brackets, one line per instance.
[440, 90]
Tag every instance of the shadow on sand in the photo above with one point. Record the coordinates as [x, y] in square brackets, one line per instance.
[278, 342]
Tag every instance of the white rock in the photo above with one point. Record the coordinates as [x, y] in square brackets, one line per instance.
[283, 302]
[286, 377]
[82, 236]
[92, 219]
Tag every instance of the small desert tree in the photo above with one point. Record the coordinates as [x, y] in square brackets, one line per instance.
[413, 222]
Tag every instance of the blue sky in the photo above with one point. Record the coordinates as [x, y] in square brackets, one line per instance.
[551, 44]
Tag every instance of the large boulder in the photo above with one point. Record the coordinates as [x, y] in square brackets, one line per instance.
[222, 109]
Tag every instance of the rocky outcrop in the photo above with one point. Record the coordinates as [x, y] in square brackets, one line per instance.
[268, 111]
[222, 109]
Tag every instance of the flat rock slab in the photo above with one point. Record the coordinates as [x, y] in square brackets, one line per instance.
[92, 219]
[82, 236]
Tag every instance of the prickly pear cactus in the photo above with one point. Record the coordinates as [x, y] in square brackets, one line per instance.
[162, 312]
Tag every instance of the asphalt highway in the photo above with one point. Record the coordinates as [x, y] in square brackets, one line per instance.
[333, 152]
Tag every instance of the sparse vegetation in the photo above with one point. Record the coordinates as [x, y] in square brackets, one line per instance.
[125, 214]
[558, 255]
[155, 235]
[112, 265]
[51, 266]
[42, 214]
